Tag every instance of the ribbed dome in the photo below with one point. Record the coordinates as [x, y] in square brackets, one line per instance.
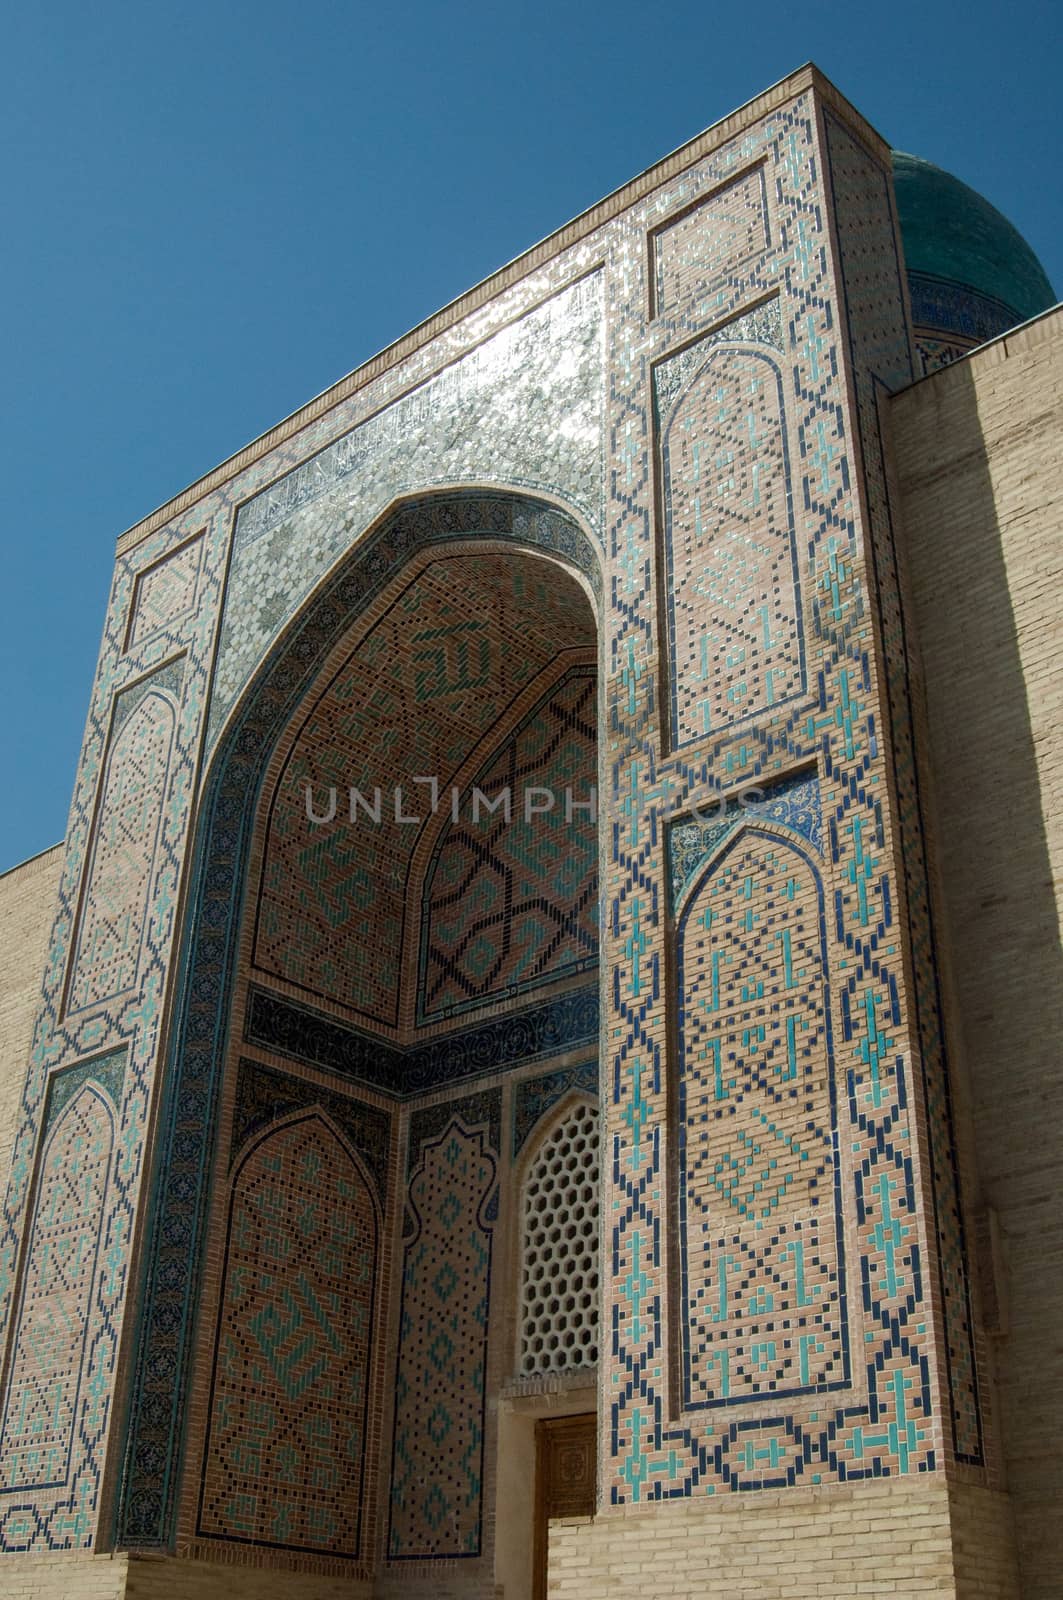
[950, 233]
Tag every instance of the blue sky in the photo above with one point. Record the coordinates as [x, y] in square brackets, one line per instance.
[214, 212]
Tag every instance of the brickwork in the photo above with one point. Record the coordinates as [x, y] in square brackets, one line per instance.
[980, 468]
[511, 896]
[285, 1457]
[165, 591]
[440, 1381]
[650, 458]
[119, 879]
[764, 1291]
[430, 679]
[733, 598]
[58, 1577]
[44, 1384]
[881, 1540]
[27, 899]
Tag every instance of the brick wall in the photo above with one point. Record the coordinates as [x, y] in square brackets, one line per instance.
[881, 1539]
[979, 457]
[27, 905]
[64, 1576]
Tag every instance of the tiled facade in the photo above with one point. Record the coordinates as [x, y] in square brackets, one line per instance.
[620, 523]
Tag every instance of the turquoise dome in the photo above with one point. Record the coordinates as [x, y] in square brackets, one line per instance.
[961, 253]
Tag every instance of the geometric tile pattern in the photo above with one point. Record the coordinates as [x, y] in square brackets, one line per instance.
[760, 1234]
[492, 417]
[165, 591]
[733, 598]
[414, 697]
[285, 1455]
[838, 725]
[264, 1096]
[119, 881]
[176, 1220]
[877, 337]
[514, 1038]
[534, 1097]
[49, 1390]
[712, 238]
[510, 904]
[559, 1257]
[437, 1464]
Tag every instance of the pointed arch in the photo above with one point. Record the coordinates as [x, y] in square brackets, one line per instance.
[118, 882]
[285, 1450]
[733, 604]
[210, 915]
[761, 1252]
[558, 1232]
[53, 1326]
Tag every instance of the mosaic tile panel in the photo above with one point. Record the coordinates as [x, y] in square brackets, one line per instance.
[165, 592]
[523, 409]
[432, 677]
[794, 804]
[427, 1123]
[733, 596]
[534, 1097]
[175, 1221]
[264, 1095]
[956, 309]
[174, 663]
[285, 1455]
[119, 882]
[760, 1230]
[437, 1464]
[881, 361]
[479, 1050]
[54, 1382]
[645, 1453]
[511, 902]
[692, 254]
[106, 1071]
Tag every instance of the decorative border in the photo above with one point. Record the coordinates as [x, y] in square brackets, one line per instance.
[944, 1179]
[293, 1029]
[945, 305]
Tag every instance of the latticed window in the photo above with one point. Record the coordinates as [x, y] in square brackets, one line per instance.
[559, 1267]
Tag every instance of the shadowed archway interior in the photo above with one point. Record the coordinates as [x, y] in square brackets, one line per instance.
[387, 972]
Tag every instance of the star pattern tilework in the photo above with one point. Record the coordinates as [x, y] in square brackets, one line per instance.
[510, 904]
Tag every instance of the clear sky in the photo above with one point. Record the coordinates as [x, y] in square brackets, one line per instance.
[213, 212]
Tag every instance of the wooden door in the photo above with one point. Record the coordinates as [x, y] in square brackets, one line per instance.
[566, 1470]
